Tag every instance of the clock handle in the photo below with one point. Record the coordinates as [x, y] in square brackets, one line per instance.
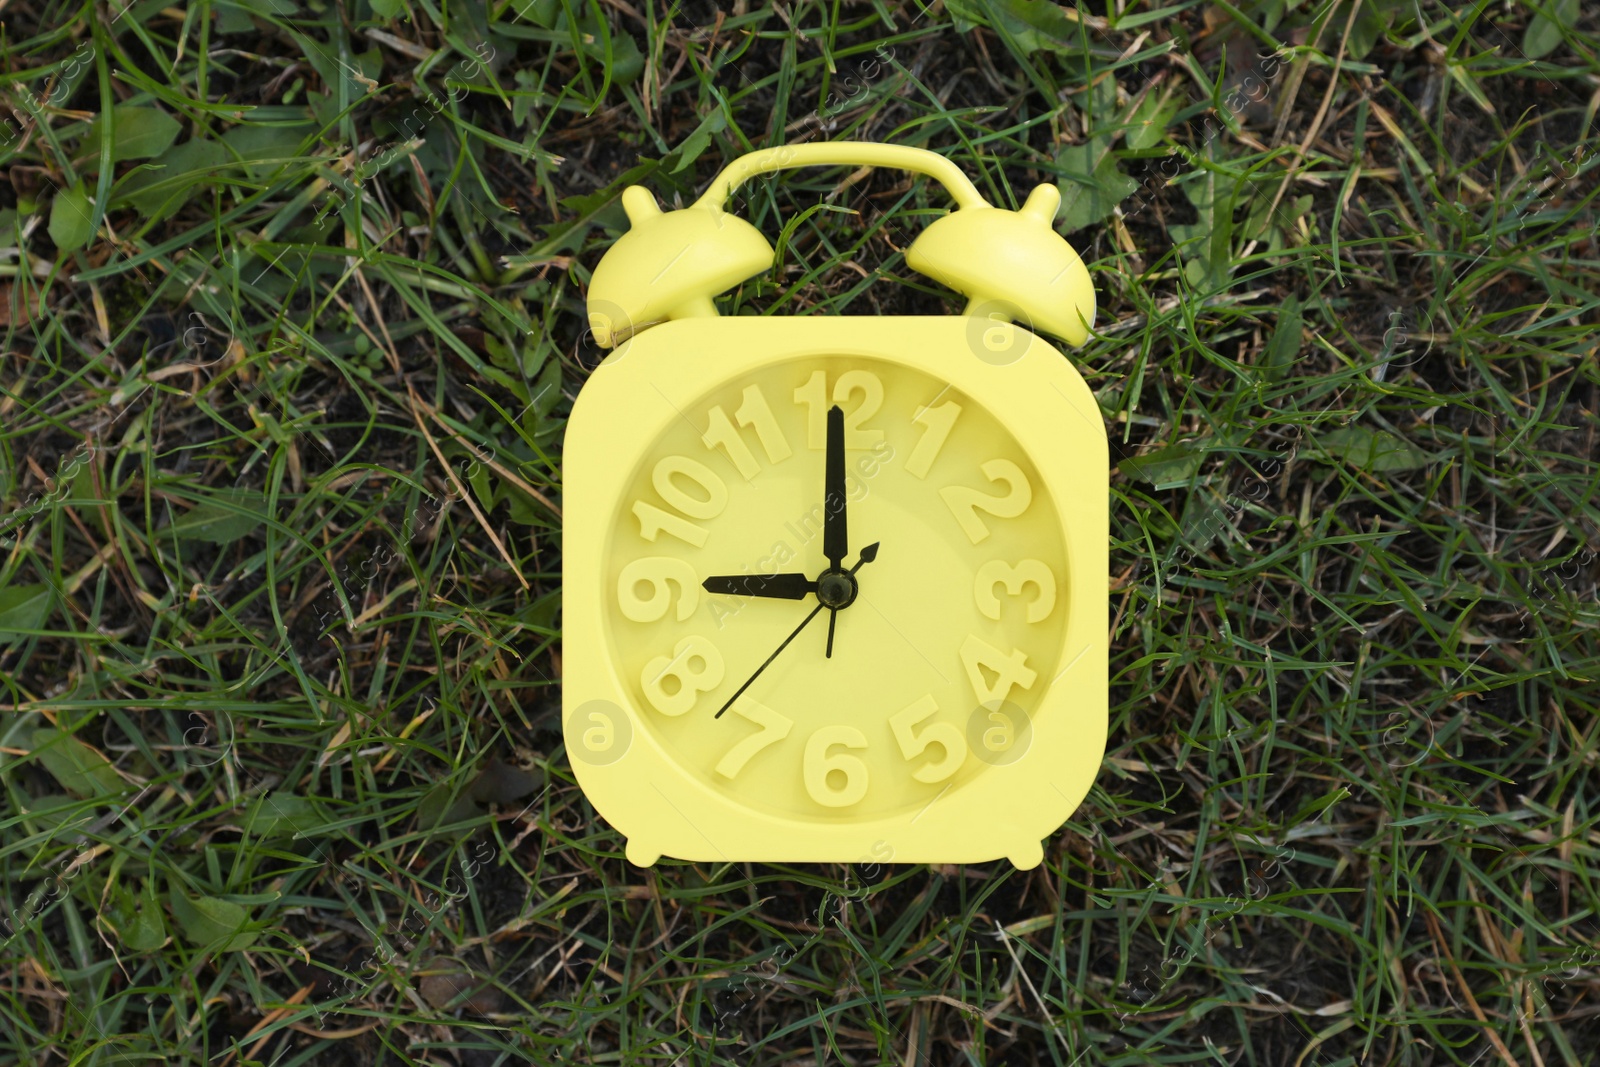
[851, 153]
[1011, 265]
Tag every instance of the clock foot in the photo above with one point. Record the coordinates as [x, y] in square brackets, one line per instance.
[642, 856]
[1027, 857]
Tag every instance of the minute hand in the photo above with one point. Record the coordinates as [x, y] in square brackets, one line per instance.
[835, 528]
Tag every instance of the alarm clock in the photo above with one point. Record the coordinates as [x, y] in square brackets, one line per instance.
[835, 587]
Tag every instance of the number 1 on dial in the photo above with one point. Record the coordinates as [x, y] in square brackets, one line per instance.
[936, 425]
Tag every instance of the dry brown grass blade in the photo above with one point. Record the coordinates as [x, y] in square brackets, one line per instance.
[1466, 991]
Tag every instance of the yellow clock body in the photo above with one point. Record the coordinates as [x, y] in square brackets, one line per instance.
[937, 692]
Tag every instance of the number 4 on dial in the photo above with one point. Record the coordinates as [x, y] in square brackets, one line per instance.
[1009, 668]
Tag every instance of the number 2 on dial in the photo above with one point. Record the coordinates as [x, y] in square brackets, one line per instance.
[965, 503]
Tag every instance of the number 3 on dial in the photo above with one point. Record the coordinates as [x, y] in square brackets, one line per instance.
[1015, 578]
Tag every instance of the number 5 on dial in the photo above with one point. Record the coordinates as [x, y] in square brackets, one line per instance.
[913, 744]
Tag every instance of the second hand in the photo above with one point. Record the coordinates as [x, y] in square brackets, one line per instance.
[768, 663]
[868, 554]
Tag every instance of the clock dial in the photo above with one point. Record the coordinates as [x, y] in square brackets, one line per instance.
[836, 589]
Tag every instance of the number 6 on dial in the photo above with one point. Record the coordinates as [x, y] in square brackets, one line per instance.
[818, 766]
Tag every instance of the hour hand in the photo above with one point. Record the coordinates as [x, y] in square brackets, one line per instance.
[779, 586]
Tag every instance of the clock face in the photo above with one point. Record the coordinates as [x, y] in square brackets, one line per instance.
[945, 636]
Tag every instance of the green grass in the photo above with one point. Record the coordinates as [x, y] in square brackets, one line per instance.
[280, 549]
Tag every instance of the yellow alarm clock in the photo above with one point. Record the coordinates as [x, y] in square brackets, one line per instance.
[835, 588]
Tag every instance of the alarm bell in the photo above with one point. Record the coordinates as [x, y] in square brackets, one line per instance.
[1011, 262]
[669, 265]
